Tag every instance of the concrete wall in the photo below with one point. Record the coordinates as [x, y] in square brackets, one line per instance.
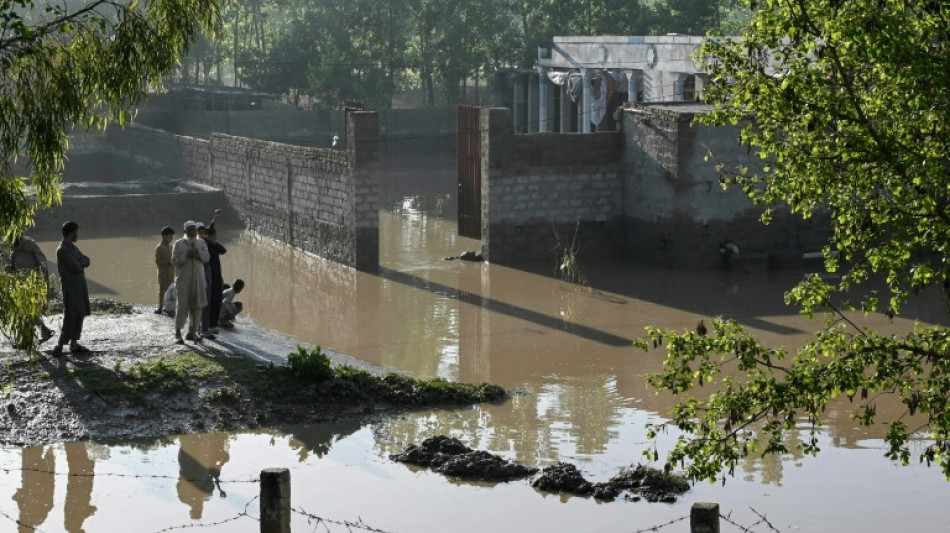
[142, 211]
[676, 212]
[321, 200]
[543, 192]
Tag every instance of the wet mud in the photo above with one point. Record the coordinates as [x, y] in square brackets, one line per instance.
[639, 482]
[448, 456]
[137, 383]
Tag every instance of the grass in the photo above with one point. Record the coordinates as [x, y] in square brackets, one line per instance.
[234, 379]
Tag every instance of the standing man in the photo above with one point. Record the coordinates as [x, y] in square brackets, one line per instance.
[189, 255]
[163, 261]
[215, 284]
[27, 256]
[72, 265]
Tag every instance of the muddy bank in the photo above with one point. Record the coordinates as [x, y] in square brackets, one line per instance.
[137, 383]
[448, 456]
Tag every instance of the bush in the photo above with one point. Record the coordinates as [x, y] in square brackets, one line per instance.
[313, 365]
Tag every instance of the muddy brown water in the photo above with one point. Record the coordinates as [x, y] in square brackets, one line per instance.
[565, 350]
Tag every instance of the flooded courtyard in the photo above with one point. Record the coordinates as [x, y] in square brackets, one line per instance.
[564, 350]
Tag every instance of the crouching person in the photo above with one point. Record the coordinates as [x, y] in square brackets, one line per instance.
[229, 308]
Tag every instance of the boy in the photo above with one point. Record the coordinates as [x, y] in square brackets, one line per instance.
[163, 261]
[229, 308]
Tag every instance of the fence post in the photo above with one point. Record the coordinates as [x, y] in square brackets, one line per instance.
[275, 500]
[703, 518]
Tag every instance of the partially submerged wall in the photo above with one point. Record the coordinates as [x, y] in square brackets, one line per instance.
[320, 200]
[676, 212]
[542, 193]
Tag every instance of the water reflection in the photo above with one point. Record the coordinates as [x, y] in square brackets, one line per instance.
[200, 460]
[566, 351]
[34, 498]
[79, 486]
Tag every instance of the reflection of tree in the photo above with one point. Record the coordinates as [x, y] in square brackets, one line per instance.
[319, 438]
[200, 459]
[34, 498]
[78, 487]
[533, 426]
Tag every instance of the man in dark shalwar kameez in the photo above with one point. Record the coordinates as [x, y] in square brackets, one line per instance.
[72, 266]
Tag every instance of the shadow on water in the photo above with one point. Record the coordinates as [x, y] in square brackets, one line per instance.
[503, 308]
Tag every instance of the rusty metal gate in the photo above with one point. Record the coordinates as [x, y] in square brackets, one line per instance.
[469, 172]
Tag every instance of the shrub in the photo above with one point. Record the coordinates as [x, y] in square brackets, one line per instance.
[313, 365]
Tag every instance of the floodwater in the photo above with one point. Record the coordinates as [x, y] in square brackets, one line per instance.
[565, 350]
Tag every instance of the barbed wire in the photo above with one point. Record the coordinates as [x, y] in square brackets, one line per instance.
[748, 529]
[116, 474]
[242, 514]
[318, 521]
[661, 526]
[20, 523]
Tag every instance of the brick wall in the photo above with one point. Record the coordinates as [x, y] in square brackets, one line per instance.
[543, 192]
[320, 200]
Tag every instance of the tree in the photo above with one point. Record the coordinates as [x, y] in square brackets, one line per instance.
[845, 103]
[66, 64]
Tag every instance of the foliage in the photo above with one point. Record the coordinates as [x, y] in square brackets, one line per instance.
[159, 373]
[347, 383]
[363, 50]
[66, 64]
[313, 365]
[845, 103]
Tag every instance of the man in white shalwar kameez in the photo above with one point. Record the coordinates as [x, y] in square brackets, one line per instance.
[189, 256]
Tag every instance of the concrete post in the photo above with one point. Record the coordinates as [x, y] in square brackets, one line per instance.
[533, 104]
[275, 500]
[565, 109]
[520, 98]
[631, 86]
[497, 138]
[543, 100]
[679, 87]
[704, 518]
[584, 113]
[363, 144]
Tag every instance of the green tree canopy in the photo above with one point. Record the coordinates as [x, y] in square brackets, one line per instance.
[67, 64]
[845, 103]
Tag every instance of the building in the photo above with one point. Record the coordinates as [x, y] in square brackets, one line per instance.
[580, 81]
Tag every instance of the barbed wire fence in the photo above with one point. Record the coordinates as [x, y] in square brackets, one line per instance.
[317, 522]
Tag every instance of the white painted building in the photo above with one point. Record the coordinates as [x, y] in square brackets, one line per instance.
[580, 80]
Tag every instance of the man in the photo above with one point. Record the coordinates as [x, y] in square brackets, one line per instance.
[189, 255]
[229, 308]
[163, 261]
[72, 265]
[27, 256]
[215, 283]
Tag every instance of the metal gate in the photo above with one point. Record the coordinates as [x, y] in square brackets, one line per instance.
[469, 172]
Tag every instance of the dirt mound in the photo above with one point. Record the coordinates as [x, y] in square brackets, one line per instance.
[450, 457]
[641, 481]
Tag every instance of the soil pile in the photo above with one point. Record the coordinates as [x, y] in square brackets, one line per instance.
[450, 457]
